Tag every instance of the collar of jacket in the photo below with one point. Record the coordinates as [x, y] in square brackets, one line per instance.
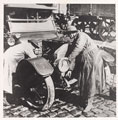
[74, 39]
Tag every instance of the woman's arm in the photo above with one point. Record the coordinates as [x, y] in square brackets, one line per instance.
[79, 46]
[29, 50]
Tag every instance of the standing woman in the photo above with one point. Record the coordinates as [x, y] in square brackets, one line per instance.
[12, 56]
[90, 66]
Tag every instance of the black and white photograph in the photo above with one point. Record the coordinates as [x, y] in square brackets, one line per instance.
[59, 60]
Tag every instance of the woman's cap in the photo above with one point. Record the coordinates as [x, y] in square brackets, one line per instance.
[71, 29]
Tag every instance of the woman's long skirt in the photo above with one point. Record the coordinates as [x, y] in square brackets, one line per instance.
[9, 68]
[91, 73]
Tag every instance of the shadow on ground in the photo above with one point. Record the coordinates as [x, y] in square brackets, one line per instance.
[69, 97]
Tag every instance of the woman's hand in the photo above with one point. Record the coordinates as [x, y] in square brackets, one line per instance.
[69, 73]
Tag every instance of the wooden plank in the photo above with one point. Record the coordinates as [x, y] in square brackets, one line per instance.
[30, 6]
[27, 20]
[106, 10]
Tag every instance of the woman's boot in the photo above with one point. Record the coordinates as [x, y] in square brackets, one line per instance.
[89, 105]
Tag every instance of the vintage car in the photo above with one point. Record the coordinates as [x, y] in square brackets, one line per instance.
[32, 22]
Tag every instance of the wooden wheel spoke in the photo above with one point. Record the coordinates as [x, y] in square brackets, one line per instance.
[92, 28]
[107, 30]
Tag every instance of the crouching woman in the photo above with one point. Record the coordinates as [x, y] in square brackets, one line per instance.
[91, 66]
